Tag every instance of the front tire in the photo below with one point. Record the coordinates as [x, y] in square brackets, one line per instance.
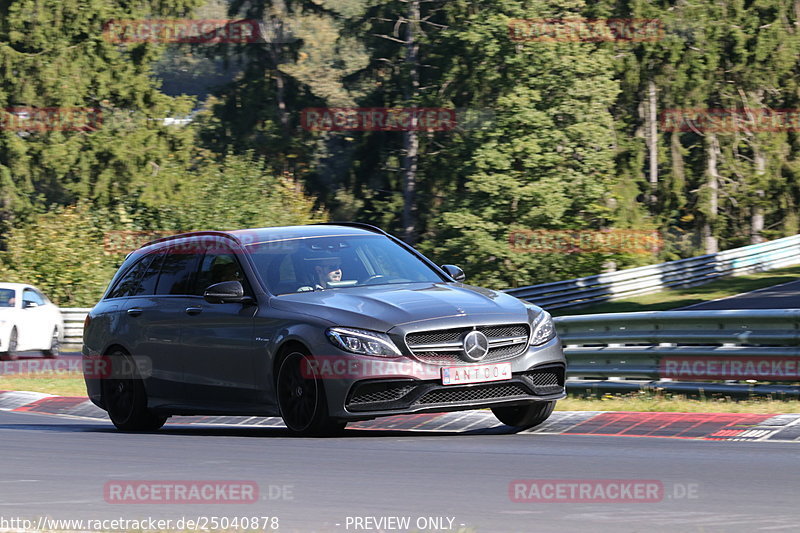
[524, 416]
[126, 401]
[11, 353]
[301, 398]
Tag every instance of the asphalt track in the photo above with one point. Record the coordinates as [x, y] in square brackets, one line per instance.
[58, 467]
[783, 296]
[729, 477]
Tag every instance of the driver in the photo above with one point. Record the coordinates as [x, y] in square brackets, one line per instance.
[327, 271]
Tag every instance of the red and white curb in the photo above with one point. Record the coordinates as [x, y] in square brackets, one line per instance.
[694, 426]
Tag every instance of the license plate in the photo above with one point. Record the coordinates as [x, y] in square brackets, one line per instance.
[459, 375]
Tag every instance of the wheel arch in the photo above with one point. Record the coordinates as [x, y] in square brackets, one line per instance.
[285, 348]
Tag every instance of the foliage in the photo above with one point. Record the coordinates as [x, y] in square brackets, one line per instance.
[61, 252]
[563, 141]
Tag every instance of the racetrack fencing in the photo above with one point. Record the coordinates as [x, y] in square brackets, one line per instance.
[653, 278]
[735, 353]
[731, 353]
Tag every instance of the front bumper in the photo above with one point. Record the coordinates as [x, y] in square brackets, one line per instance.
[537, 375]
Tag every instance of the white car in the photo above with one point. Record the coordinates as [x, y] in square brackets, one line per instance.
[28, 321]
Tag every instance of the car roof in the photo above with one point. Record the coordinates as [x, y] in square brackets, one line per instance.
[252, 236]
[4, 285]
[259, 235]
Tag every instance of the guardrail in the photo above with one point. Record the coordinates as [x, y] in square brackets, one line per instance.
[73, 324]
[653, 278]
[663, 348]
[679, 346]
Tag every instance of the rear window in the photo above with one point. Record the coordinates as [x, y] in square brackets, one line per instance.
[129, 282]
[147, 285]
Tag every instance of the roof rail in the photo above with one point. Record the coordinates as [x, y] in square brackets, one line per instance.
[190, 234]
[362, 225]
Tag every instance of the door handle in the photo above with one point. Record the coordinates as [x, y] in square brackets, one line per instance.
[134, 311]
[193, 310]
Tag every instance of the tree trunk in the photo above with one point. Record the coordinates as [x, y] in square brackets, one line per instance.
[709, 239]
[652, 140]
[275, 51]
[410, 137]
[757, 211]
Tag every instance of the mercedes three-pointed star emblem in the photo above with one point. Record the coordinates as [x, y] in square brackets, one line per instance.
[476, 346]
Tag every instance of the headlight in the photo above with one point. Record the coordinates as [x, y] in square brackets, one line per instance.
[543, 329]
[363, 341]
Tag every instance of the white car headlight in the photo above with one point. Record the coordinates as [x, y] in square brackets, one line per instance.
[543, 329]
[362, 341]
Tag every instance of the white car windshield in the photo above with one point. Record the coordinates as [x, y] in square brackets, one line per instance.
[322, 263]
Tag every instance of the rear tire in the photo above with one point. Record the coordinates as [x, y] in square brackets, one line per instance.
[55, 346]
[524, 416]
[126, 401]
[11, 353]
[301, 399]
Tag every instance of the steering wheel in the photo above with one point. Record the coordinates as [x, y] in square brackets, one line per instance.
[373, 278]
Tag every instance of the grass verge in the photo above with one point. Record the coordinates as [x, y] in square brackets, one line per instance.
[675, 298]
[647, 401]
[61, 385]
[72, 385]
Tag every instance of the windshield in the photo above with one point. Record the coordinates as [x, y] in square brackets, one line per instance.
[323, 263]
[6, 297]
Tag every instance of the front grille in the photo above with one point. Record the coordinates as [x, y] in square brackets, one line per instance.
[444, 347]
[435, 337]
[505, 331]
[469, 394]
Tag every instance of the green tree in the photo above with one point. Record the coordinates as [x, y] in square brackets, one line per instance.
[547, 161]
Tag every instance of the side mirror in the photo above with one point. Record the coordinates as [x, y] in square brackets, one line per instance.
[29, 305]
[227, 292]
[454, 272]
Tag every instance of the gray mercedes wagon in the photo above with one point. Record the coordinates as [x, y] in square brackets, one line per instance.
[320, 324]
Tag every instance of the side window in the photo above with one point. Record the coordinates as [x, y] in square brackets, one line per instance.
[29, 297]
[7, 298]
[37, 297]
[45, 300]
[147, 285]
[216, 267]
[127, 285]
[177, 272]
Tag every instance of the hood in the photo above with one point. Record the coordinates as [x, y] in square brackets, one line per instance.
[382, 307]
